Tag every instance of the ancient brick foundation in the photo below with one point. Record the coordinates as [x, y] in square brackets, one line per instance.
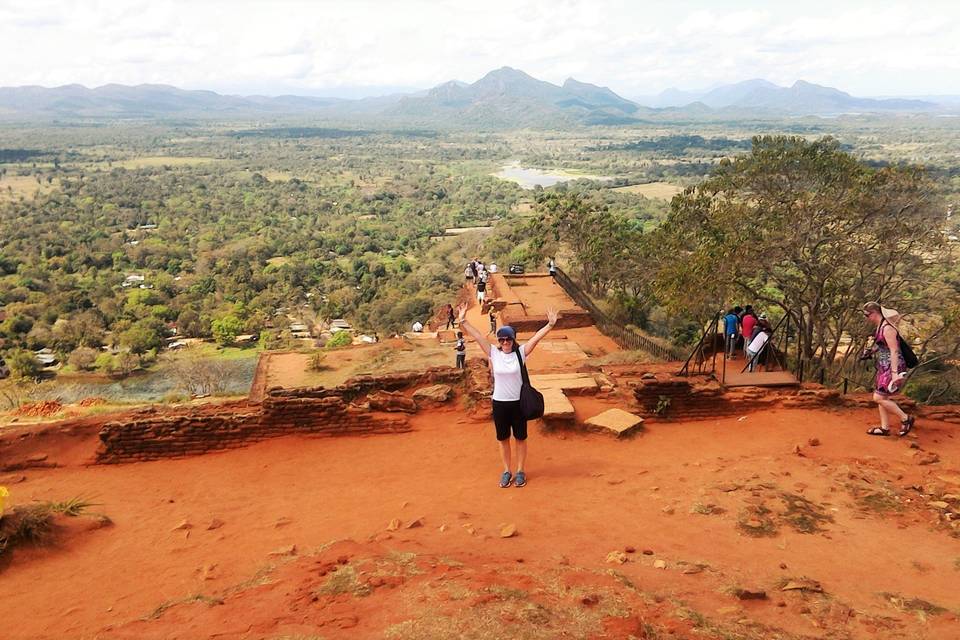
[151, 435]
[701, 398]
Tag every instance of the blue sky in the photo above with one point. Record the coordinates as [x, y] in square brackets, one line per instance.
[357, 47]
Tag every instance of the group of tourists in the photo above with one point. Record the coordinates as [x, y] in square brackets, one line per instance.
[747, 331]
[744, 328]
[479, 273]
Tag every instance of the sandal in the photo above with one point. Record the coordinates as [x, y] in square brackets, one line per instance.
[505, 480]
[521, 479]
[878, 431]
[906, 426]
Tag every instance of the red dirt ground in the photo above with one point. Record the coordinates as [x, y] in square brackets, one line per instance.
[588, 495]
[290, 538]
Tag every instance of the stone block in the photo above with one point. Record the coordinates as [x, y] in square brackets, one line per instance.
[576, 383]
[556, 406]
[615, 421]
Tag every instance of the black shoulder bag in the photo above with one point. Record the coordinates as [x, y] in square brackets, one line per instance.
[531, 400]
[909, 357]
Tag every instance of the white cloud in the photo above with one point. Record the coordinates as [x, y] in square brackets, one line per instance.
[634, 47]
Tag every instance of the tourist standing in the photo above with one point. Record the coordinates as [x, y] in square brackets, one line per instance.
[756, 344]
[748, 321]
[481, 291]
[891, 368]
[451, 318]
[730, 324]
[493, 321]
[507, 381]
[461, 351]
[417, 327]
[552, 268]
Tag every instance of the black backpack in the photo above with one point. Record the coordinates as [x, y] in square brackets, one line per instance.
[909, 357]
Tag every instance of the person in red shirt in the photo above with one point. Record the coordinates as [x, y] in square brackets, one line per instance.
[747, 323]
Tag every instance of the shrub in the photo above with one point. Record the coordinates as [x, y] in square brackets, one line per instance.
[339, 339]
[104, 363]
[24, 365]
[83, 358]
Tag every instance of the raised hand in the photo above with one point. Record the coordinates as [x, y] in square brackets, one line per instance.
[461, 313]
[552, 316]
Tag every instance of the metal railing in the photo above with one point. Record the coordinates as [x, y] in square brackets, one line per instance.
[698, 358]
[622, 335]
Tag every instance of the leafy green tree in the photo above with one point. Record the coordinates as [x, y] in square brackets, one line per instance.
[144, 335]
[339, 339]
[226, 329]
[24, 365]
[800, 226]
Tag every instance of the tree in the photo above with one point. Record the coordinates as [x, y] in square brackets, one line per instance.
[82, 358]
[226, 329]
[803, 227]
[24, 365]
[144, 335]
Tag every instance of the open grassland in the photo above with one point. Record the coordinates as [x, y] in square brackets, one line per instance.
[658, 190]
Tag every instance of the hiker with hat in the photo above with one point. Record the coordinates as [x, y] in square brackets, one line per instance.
[505, 363]
[891, 355]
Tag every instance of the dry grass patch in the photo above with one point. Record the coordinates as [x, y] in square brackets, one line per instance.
[655, 190]
[34, 523]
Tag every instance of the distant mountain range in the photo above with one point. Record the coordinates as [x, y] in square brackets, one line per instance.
[803, 98]
[505, 97]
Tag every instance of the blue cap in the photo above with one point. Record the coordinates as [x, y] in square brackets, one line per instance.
[506, 332]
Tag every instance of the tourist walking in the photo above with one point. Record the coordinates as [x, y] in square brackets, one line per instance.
[481, 291]
[508, 417]
[461, 351]
[891, 368]
[730, 331]
[552, 268]
[493, 321]
[451, 318]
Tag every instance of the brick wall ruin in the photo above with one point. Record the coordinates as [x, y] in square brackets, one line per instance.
[319, 411]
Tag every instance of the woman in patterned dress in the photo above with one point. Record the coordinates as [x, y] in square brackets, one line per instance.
[891, 369]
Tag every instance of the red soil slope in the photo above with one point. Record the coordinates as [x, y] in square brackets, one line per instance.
[679, 490]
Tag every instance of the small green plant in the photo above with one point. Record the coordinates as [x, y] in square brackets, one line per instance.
[316, 361]
[663, 404]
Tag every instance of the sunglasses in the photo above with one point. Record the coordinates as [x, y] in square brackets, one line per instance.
[504, 339]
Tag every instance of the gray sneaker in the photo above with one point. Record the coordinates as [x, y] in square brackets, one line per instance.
[505, 480]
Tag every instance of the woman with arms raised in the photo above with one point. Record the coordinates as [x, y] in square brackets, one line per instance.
[507, 380]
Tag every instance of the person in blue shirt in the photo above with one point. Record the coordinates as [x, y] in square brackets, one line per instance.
[731, 328]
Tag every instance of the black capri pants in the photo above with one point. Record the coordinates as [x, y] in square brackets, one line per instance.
[507, 417]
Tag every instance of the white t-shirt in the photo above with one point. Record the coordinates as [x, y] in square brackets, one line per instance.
[493, 268]
[507, 378]
[757, 343]
[418, 326]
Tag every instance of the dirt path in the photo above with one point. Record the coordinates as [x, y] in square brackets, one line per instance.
[588, 495]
